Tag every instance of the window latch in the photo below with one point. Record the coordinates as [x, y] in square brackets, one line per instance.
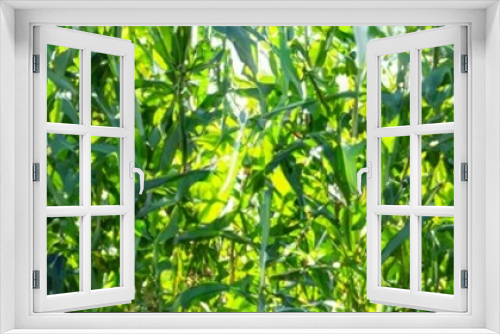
[368, 171]
[133, 170]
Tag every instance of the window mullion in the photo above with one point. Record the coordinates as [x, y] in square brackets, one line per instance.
[67, 129]
[82, 195]
[86, 171]
[419, 129]
[414, 171]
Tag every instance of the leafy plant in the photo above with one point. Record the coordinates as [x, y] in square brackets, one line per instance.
[250, 138]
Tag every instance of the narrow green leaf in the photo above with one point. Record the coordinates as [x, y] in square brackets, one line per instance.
[265, 226]
[242, 43]
[396, 242]
[200, 292]
[172, 228]
[289, 70]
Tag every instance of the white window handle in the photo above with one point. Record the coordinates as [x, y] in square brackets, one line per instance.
[141, 175]
[368, 171]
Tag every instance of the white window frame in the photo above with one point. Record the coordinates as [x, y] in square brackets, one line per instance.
[483, 21]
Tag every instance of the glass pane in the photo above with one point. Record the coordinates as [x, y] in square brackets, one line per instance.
[395, 86]
[395, 170]
[437, 254]
[63, 169]
[105, 89]
[105, 252]
[437, 170]
[63, 255]
[437, 84]
[105, 171]
[395, 247]
[63, 85]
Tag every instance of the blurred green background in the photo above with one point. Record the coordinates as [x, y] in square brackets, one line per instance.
[250, 139]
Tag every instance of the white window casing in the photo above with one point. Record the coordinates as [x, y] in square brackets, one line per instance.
[483, 309]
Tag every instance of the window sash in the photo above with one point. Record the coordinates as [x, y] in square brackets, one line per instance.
[414, 298]
[86, 297]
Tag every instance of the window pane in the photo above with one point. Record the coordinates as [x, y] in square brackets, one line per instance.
[395, 170]
[105, 171]
[395, 247]
[203, 229]
[437, 255]
[437, 84]
[438, 170]
[105, 252]
[63, 255]
[105, 89]
[63, 169]
[395, 86]
[63, 85]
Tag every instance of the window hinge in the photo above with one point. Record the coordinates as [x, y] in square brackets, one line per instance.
[36, 63]
[36, 172]
[464, 173]
[465, 64]
[36, 279]
[464, 279]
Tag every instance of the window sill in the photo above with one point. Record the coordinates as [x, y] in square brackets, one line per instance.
[251, 331]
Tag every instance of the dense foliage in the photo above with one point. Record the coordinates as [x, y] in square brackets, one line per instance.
[250, 138]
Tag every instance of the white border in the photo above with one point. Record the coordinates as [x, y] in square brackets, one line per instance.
[492, 163]
[7, 166]
[474, 319]
[250, 4]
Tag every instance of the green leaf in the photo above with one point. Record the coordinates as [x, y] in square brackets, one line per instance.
[160, 204]
[396, 242]
[362, 38]
[335, 157]
[171, 145]
[289, 70]
[61, 82]
[293, 174]
[242, 43]
[284, 154]
[265, 225]
[172, 228]
[191, 177]
[202, 292]
[351, 153]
